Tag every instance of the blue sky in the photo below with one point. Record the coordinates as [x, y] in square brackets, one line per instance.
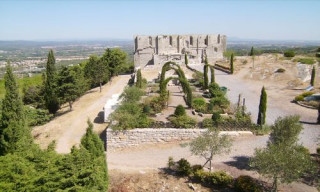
[98, 19]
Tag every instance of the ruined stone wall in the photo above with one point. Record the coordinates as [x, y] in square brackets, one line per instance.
[156, 50]
[135, 137]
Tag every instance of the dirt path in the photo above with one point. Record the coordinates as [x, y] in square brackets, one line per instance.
[67, 129]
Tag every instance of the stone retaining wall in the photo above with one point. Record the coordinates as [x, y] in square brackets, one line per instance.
[135, 137]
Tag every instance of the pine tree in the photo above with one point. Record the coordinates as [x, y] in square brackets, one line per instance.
[205, 75]
[14, 134]
[96, 71]
[186, 59]
[139, 79]
[262, 107]
[212, 74]
[313, 75]
[92, 142]
[231, 64]
[50, 92]
[71, 84]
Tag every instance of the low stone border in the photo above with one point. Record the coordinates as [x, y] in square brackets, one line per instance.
[135, 137]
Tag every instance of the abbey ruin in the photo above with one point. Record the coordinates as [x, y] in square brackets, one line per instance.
[156, 50]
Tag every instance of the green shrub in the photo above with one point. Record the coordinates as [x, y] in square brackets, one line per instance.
[147, 109]
[207, 123]
[196, 168]
[280, 70]
[303, 95]
[129, 116]
[132, 94]
[299, 98]
[183, 121]
[216, 117]
[317, 54]
[37, 116]
[179, 111]
[184, 167]
[199, 104]
[289, 54]
[171, 162]
[157, 104]
[220, 101]
[318, 150]
[219, 178]
[246, 183]
[307, 61]
[307, 93]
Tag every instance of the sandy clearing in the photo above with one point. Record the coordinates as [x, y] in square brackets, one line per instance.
[67, 129]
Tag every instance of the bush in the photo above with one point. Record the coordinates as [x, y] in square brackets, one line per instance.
[171, 163]
[33, 95]
[317, 54]
[306, 61]
[307, 93]
[299, 98]
[207, 123]
[246, 183]
[280, 70]
[129, 116]
[132, 94]
[157, 104]
[221, 101]
[318, 150]
[180, 111]
[183, 121]
[216, 117]
[219, 178]
[184, 167]
[289, 54]
[196, 168]
[146, 109]
[37, 116]
[199, 104]
[303, 95]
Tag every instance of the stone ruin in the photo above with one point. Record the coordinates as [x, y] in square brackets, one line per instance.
[154, 51]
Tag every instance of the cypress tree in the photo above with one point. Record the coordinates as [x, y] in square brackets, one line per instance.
[231, 64]
[251, 52]
[14, 134]
[262, 107]
[205, 75]
[139, 79]
[313, 76]
[186, 59]
[50, 95]
[212, 74]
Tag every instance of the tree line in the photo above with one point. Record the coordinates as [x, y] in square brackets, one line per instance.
[25, 167]
[71, 82]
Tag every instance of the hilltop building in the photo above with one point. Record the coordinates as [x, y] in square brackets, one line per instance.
[154, 51]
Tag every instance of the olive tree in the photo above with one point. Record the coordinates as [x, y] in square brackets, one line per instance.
[284, 159]
[210, 143]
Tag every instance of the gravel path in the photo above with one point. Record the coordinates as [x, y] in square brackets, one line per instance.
[68, 128]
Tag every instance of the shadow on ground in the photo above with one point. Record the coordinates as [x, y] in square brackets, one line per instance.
[308, 123]
[240, 162]
[100, 118]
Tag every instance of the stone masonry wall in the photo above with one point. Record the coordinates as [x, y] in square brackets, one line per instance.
[135, 137]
